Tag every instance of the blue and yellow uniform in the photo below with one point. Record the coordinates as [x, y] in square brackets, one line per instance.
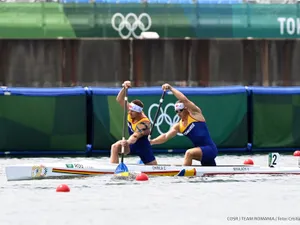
[142, 146]
[198, 133]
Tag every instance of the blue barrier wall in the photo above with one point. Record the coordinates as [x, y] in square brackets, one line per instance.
[43, 121]
[72, 121]
[275, 118]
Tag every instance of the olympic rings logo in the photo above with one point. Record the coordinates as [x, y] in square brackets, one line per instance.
[163, 117]
[131, 22]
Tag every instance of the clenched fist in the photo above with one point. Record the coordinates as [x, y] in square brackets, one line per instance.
[166, 87]
[126, 84]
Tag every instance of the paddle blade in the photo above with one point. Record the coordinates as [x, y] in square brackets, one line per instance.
[121, 168]
[187, 173]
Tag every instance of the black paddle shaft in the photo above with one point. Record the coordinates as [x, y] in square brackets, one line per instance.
[124, 121]
[157, 112]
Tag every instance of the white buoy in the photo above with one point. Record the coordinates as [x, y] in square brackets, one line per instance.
[273, 159]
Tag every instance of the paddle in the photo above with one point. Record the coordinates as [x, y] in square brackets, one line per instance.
[157, 113]
[121, 168]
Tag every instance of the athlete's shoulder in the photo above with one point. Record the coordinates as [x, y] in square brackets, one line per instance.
[129, 118]
[196, 117]
[145, 118]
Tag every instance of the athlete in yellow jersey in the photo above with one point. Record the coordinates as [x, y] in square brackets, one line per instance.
[138, 128]
[192, 124]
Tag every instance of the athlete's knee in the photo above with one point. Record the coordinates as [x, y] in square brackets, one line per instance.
[193, 154]
[154, 162]
[188, 154]
[112, 147]
[115, 147]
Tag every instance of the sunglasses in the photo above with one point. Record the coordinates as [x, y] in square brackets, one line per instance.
[180, 110]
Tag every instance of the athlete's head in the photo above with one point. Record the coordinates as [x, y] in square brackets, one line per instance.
[135, 108]
[180, 109]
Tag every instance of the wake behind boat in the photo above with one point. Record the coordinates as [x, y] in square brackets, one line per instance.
[69, 170]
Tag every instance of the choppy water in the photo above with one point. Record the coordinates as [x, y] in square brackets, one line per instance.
[161, 200]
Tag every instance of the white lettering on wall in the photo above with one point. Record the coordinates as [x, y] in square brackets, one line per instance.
[289, 25]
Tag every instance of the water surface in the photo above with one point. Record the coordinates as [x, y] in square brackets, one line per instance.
[246, 199]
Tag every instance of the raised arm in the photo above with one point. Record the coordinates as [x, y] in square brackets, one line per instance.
[121, 95]
[180, 96]
[165, 137]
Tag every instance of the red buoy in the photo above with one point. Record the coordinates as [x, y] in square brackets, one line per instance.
[63, 188]
[248, 162]
[297, 153]
[141, 177]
